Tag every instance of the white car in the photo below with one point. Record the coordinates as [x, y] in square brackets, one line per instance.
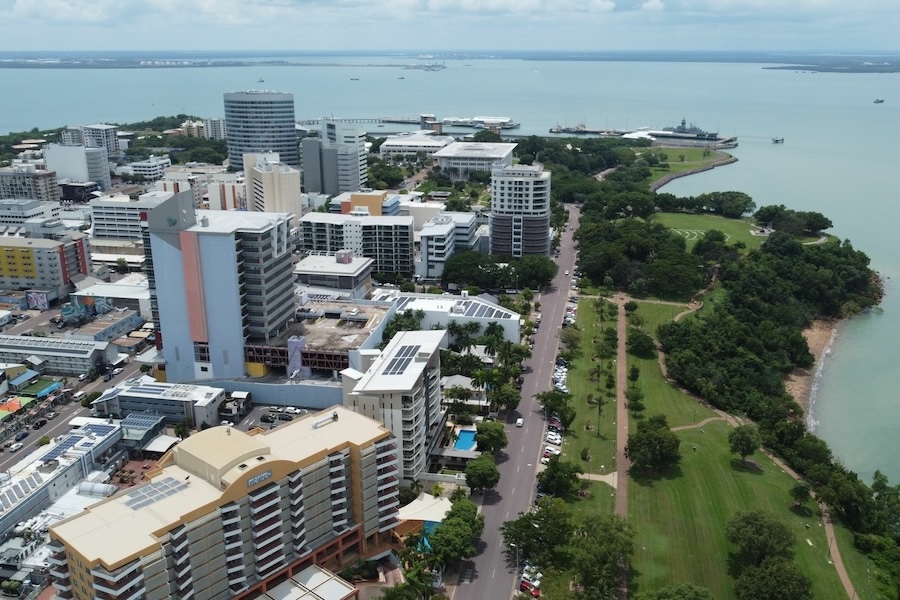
[566, 273]
[227, 423]
[554, 441]
[553, 450]
[16, 447]
[117, 370]
[545, 460]
[292, 410]
[82, 377]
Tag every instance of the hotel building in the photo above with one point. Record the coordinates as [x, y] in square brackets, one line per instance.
[386, 240]
[228, 514]
[520, 210]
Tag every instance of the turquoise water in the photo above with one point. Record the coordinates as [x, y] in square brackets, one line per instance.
[465, 440]
[838, 158]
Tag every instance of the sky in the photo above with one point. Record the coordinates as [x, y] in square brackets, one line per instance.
[439, 25]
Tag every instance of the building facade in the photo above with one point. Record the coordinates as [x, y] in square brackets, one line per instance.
[197, 405]
[15, 211]
[335, 162]
[260, 122]
[388, 241]
[66, 357]
[226, 514]
[79, 163]
[27, 181]
[218, 280]
[214, 128]
[44, 265]
[226, 191]
[402, 389]
[272, 186]
[520, 210]
[119, 217]
[461, 158]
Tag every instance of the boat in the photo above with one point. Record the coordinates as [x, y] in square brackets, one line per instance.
[260, 80]
[354, 79]
[879, 100]
[778, 140]
[401, 77]
[685, 132]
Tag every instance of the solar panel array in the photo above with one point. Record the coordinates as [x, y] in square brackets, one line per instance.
[484, 311]
[401, 360]
[71, 440]
[18, 491]
[153, 492]
[139, 421]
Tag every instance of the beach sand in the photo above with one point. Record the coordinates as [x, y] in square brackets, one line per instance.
[799, 383]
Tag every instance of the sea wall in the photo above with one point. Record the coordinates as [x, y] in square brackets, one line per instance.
[661, 182]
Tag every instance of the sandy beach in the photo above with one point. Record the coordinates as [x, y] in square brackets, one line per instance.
[799, 383]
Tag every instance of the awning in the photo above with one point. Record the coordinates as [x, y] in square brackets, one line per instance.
[161, 443]
[426, 508]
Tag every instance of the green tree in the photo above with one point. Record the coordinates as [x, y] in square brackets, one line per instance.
[561, 477]
[653, 446]
[89, 399]
[759, 535]
[490, 436]
[482, 473]
[539, 535]
[43, 441]
[800, 493]
[640, 344]
[744, 440]
[122, 265]
[183, 429]
[602, 548]
[775, 579]
[634, 373]
[680, 591]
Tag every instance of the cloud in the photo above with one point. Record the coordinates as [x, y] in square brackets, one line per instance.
[654, 5]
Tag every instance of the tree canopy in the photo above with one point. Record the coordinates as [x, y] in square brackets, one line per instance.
[490, 436]
[744, 440]
[482, 473]
[653, 446]
[602, 549]
[759, 535]
[560, 477]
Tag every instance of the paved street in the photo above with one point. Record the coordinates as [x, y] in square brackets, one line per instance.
[489, 574]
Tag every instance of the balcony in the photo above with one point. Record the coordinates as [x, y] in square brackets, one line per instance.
[118, 577]
[389, 503]
[258, 507]
[59, 573]
[387, 483]
[266, 568]
[261, 530]
[269, 550]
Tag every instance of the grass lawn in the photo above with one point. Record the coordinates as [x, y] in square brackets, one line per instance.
[654, 315]
[693, 158]
[694, 226]
[680, 519]
[601, 442]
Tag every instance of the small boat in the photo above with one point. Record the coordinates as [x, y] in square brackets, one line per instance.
[354, 79]
[879, 100]
[261, 80]
[778, 140]
[401, 77]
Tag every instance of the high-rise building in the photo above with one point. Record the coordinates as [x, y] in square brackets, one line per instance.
[520, 210]
[220, 281]
[402, 389]
[272, 186]
[389, 241]
[79, 163]
[227, 514]
[260, 122]
[119, 217]
[335, 162]
[214, 128]
[27, 181]
[100, 135]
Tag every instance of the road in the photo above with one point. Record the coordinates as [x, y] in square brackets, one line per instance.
[490, 574]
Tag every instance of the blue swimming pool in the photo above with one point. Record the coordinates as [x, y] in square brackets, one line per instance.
[465, 440]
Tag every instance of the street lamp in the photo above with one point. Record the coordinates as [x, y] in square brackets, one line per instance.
[511, 545]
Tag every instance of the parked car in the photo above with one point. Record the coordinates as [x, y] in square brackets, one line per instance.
[285, 417]
[82, 377]
[520, 422]
[15, 447]
[108, 377]
[21, 436]
[227, 423]
[267, 419]
[51, 415]
[39, 423]
[117, 370]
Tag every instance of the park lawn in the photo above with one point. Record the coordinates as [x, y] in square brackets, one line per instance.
[693, 226]
[863, 573]
[661, 397]
[654, 315]
[680, 519]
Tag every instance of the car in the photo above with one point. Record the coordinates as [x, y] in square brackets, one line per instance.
[267, 419]
[275, 409]
[82, 377]
[227, 423]
[554, 441]
[16, 447]
[108, 377]
[552, 450]
[285, 417]
[520, 422]
[293, 410]
[39, 423]
[545, 460]
[21, 436]
[51, 415]
[566, 273]
[117, 370]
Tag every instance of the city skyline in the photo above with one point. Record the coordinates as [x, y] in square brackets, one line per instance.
[583, 25]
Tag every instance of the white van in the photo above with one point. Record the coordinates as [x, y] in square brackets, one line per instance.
[520, 422]
[78, 396]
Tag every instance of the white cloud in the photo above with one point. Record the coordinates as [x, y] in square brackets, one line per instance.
[654, 5]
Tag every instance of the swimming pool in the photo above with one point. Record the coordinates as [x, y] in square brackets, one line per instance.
[465, 440]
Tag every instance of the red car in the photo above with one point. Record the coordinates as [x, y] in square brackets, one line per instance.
[527, 587]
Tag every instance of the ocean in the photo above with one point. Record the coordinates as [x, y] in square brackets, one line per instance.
[837, 158]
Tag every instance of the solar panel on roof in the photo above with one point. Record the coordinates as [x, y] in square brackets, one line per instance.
[153, 492]
[401, 360]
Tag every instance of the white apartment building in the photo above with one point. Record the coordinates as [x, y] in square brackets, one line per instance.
[227, 514]
[272, 186]
[15, 211]
[439, 311]
[402, 389]
[182, 180]
[440, 238]
[461, 158]
[79, 163]
[119, 217]
[520, 210]
[27, 181]
[260, 121]
[226, 191]
[350, 141]
[214, 128]
[151, 169]
[386, 240]
[99, 135]
[193, 129]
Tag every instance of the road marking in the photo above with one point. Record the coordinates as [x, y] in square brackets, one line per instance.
[512, 492]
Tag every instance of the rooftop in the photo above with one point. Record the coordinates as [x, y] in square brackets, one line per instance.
[401, 363]
[132, 289]
[475, 150]
[196, 475]
[458, 306]
[102, 322]
[330, 265]
[46, 345]
[146, 387]
[231, 221]
[317, 217]
[341, 328]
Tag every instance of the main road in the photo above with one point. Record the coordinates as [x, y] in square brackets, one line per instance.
[490, 574]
